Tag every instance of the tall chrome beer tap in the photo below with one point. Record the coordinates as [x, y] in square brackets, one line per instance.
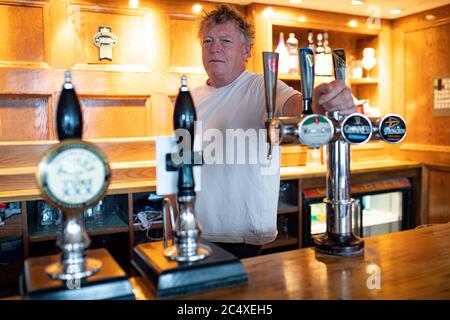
[356, 128]
[337, 132]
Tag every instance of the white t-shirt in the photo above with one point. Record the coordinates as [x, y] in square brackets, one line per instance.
[239, 195]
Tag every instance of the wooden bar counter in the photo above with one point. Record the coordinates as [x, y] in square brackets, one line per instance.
[413, 264]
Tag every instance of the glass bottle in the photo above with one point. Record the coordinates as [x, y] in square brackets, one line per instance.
[328, 61]
[311, 44]
[319, 59]
[292, 47]
[284, 55]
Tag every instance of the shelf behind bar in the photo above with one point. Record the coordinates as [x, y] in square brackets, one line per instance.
[284, 209]
[321, 79]
[111, 224]
[281, 243]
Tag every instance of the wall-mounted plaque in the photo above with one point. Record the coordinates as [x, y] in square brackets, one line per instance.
[441, 97]
[105, 40]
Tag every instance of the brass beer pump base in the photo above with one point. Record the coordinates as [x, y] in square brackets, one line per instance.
[168, 278]
[339, 245]
[90, 267]
[173, 253]
[110, 282]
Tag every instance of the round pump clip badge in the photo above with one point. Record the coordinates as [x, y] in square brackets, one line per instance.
[392, 128]
[356, 129]
[315, 130]
[74, 174]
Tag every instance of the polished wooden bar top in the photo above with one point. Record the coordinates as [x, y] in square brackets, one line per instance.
[413, 264]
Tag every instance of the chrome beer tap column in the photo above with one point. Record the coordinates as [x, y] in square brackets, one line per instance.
[311, 130]
[356, 128]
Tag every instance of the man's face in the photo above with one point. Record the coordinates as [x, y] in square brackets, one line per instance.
[223, 53]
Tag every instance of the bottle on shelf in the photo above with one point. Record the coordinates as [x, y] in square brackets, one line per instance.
[311, 44]
[328, 60]
[284, 55]
[292, 47]
[319, 59]
[368, 61]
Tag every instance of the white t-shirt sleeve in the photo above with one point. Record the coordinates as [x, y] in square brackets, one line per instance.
[284, 92]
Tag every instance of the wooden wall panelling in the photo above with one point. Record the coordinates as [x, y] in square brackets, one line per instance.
[439, 201]
[161, 114]
[24, 26]
[115, 116]
[132, 49]
[14, 155]
[420, 53]
[185, 49]
[24, 117]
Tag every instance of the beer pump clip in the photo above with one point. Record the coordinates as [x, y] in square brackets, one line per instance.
[188, 263]
[353, 129]
[72, 176]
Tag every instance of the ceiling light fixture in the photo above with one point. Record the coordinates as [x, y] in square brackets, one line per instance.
[357, 2]
[295, 1]
[302, 19]
[196, 8]
[353, 23]
[395, 11]
[268, 12]
[134, 4]
[430, 17]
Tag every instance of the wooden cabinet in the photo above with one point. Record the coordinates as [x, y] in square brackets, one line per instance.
[366, 177]
[375, 88]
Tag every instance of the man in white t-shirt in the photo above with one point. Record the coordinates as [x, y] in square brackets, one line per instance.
[237, 204]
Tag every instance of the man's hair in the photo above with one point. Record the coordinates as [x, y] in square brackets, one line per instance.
[223, 14]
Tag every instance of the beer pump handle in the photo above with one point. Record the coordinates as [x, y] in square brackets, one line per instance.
[339, 70]
[339, 64]
[69, 119]
[306, 57]
[270, 63]
[184, 117]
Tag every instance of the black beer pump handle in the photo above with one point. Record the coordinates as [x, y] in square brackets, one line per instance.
[184, 117]
[306, 57]
[69, 119]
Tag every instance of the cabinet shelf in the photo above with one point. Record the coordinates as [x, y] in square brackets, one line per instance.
[285, 209]
[281, 243]
[317, 79]
[111, 224]
[320, 79]
[154, 226]
[364, 81]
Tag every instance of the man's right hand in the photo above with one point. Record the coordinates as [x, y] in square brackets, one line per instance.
[333, 96]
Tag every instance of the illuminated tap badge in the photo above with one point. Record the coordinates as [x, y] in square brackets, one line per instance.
[356, 129]
[74, 175]
[315, 130]
[105, 40]
[392, 128]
